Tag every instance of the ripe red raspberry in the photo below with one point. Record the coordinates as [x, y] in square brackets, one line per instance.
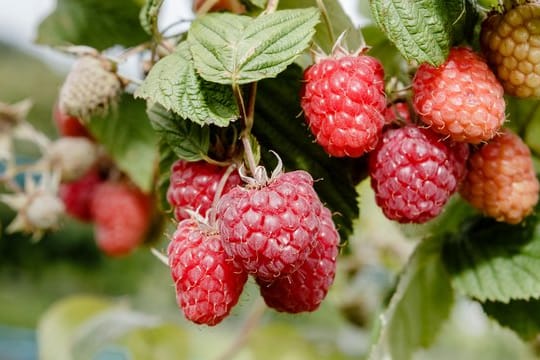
[208, 284]
[122, 215]
[511, 43]
[501, 180]
[193, 186]
[69, 125]
[270, 230]
[77, 195]
[414, 173]
[306, 288]
[397, 112]
[461, 98]
[343, 100]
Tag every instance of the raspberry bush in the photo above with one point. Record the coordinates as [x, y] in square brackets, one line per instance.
[238, 151]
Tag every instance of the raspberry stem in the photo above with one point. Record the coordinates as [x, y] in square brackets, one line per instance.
[327, 22]
[247, 117]
[219, 191]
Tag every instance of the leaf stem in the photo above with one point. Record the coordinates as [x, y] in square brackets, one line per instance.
[326, 19]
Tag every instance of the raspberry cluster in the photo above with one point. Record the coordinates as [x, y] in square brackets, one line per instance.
[120, 212]
[418, 159]
[276, 230]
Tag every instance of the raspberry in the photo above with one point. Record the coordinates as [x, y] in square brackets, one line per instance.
[461, 98]
[90, 88]
[77, 195]
[397, 112]
[270, 230]
[122, 217]
[307, 287]
[414, 173]
[511, 43]
[193, 186]
[501, 180]
[234, 6]
[343, 100]
[69, 125]
[207, 283]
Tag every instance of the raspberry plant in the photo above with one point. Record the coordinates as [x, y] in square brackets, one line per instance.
[422, 104]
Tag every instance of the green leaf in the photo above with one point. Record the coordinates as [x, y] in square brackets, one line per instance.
[174, 84]
[521, 316]
[494, 261]
[524, 116]
[58, 324]
[421, 30]
[278, 127]
[187, 140]
[149, 16]
[236, 49]
[340, 22]
[96, 23]
[383, 49]
[167, 157]
[129, 139]
[420, 304]
[164, 342]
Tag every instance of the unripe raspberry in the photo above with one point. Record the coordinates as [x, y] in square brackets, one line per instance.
[77, 195]
[74, 156]
[501, 180]
[122, 215]
[414, 172]
[343, 100]
[90, 88]
[208, 284]
[270, 230]
[306, 288]
[461, 98]
[193, 186]
[511, 44]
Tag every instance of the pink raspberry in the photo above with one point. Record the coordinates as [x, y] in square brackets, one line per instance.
[77, 195]
[461, 98]
[208, 284]
[270, 230]
[414, 173]
[306, 288]
[193, 186]
[122, 215]
[397, 112]
[343, 100]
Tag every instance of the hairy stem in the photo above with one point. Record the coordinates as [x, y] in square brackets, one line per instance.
[327, 22]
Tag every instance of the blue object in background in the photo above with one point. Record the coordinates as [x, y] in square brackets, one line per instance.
[17, 344]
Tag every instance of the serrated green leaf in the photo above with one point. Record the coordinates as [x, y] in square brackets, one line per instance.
[488, 260]
[236, 49]
[383, 49]
[187, 140]
[96, 23]
[167, 157]
[149, 16]
[129, 139]
[277, 127]
[421, 30]
[340, 22]
[174, 84]
[521, 316]
[420, 304]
